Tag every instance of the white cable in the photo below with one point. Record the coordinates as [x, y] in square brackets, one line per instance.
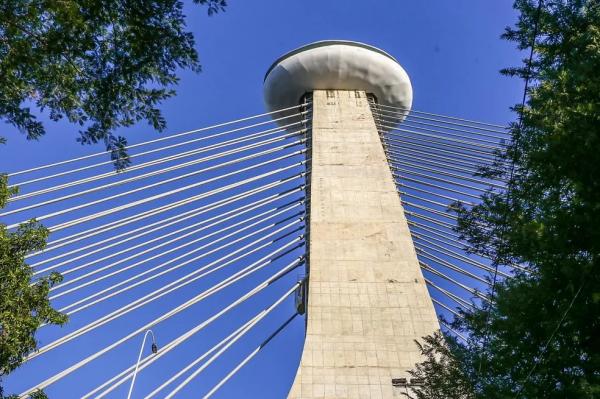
[154, 141]
[442, 116]
[129, 235]
[474, 292]
[488, 149]
[454, 268]
[160, 292]
[70, 239]
[105, 296]
[154, 173]
[186, 153]
[169, 169]
[154, 197]
[198, 359]
[499, 142]
[428, 184]
[454, 243]
[444, 205]
[144, 261]
[446, 181]
[428, 209]
[437, 260]
[109, 226]
[249, 357]
[186, 244]
[459, 335]
[455, 255]
[395, 157]
[188, 200]
[451, 199]
[448, 294]
[232, 372]
[171, 345]
[420, 154]
[206, 208]
[448, 308]
[196, 274]
[429, 219]
[169, 158]
[436, 231]
[391, 140]
[163, 317]
[254, 250]
[261, 316]
[279, 182]
[455, 176]
[409, 118]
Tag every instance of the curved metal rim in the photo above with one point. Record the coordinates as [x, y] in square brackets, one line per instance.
[323, 43]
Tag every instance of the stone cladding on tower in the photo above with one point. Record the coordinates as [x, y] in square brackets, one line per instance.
[367, 299]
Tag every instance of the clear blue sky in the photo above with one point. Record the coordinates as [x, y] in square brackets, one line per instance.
[450, 49]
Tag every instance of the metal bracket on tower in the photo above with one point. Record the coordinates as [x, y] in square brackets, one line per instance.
[301, 297]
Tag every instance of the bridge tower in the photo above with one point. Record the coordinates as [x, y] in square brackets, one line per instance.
[367, 299]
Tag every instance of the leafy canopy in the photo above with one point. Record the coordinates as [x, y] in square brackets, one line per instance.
[102, 64]
[441, 370]
[539, 337]
[34, 395]
[23, 307]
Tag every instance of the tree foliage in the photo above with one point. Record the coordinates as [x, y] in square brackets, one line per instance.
[102, 64]
[39, 394]
[539, 337]
[446, 376]
[23, 307]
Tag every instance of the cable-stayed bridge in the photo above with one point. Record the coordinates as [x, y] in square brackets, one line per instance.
[204, 240]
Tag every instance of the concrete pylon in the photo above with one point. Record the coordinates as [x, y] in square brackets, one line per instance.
[367, 300]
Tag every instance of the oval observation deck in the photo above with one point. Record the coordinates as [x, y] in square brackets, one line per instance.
[336, 65]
